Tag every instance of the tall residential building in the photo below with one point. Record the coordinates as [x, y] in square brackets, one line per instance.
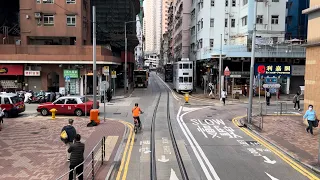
[230, 23]
[165, 8]
[312, 80]
[52, 48]
[296, 22]
[152, 25]
[138, 49]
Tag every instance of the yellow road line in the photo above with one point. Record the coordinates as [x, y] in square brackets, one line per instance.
[128, 158]
[284, 157]
[125, 150]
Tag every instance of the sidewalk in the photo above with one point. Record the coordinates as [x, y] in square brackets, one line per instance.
[289, 134]
[31, 147]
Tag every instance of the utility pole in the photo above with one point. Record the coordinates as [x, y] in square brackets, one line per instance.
[125, 58]
[220, 67]
[252, 62]
[94, 68]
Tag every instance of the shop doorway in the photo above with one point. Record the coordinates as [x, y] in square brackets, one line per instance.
[53, 82]
[89, 87]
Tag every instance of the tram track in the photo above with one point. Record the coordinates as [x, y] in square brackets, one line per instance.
[169, 130]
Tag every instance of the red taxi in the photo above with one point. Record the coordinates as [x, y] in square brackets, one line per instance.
[67, 105]
[12, 104]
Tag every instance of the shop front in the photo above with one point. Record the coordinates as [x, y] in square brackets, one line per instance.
[11, 77]
[72, 82]
[297, 78]
[273, 73]
[32, 79]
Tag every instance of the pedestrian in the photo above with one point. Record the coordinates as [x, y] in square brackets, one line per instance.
[67, 135]
[311, 117]
[1, 117]
[76, 150]
[224, 96]
[296, 101]
[268, 97]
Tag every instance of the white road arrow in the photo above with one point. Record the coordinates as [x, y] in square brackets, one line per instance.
[267, 160]
[271, 177]
[146, 152]
[173, 175]
[163, 159]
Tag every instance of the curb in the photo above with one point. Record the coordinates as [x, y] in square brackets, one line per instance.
[317, 170]
[117, 159]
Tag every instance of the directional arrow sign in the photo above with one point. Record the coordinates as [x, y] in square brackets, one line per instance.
[163, 159]
[173, 175]
[267, 160]
[271, 177]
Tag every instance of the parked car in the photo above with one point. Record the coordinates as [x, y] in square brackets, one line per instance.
[12, 104]
[67, 105]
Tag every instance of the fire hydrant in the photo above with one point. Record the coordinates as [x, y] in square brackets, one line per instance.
[186, 97]
[53, 113]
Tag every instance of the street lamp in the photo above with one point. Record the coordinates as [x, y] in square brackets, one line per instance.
[125, 54]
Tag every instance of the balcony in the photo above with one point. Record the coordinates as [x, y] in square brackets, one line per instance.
[55, 54]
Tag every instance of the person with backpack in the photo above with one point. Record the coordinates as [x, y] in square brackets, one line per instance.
[68, 133]
[268, 97]
[1, 117]
[296, 101]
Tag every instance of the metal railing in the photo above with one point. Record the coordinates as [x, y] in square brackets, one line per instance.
[91, 163]
[282, 108]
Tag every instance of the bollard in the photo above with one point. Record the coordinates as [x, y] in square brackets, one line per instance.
[53, 113]
[186, 97]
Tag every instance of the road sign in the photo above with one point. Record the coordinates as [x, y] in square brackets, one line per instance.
[105, 70]
[67, 78]
[113, 74]
[227, 71]
[271, 86]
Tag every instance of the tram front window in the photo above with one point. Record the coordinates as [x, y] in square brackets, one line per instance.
[185, 79]
[185, 66]
[190, 79]
[181, 79]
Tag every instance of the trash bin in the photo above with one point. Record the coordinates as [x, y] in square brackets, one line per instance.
[94, 115]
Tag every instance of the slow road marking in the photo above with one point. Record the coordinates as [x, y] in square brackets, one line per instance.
[285, 158]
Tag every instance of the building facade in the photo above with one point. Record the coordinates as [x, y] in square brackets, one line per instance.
[164, 58]
[165, 8]
[53, 50]
[230, 23]
[139, 49]
[153, 26]
[312, 80]
[296, 22]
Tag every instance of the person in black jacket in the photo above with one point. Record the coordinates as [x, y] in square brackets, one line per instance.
[71, 132]
[76, 150]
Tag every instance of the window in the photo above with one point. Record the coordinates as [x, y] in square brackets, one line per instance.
[275, 40]
[200, 44]
[233, 3]
[227, 3]
[212, 2]
[233, 23]
[190, 66]
[15, 99]
[48, 20]
[190, 79]
[185, 79]
[201, 23]
[244, 2]
[193, 14]
[185, 66]
[181, 79]
[275, 0]
[274, 19]
[211, 42]
[71, 101]
[225, 22]
[38, 1]
[6, 101]
[211, 22]
[259, 19]
[47, 1]
[71, 1]
[60, 101]
[180, 66]
[244, 21]
[193, 30]
[198, 25]
[71, 20]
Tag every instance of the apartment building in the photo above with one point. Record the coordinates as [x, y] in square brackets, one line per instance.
[230, 23]
[53, 50]
[165, 8]
[312, 81]
[296, 22]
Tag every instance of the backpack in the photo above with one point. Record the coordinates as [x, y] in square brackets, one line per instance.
[294, 100]
[64, 136]
[268, 94]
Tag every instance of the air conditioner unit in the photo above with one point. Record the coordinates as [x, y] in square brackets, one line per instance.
[37, 15]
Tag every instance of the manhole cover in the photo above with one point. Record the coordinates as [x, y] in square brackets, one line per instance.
[35, 132]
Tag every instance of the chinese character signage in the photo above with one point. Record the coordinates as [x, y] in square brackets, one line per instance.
[273, 69]
[31, 73]
[72, 73]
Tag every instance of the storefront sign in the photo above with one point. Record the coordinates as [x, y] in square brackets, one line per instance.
[105, 70]
[273, 69]
[72, 73]
[31, 73]
[13, 70]
[298, 70]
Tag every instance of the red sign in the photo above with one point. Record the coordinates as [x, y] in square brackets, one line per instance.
[227, 71]
[261, 69]
[11, 70]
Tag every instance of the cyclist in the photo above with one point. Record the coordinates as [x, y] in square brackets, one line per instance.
[136, 113]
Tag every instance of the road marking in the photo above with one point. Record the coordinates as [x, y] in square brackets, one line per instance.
[173, 175]
[271, 177]
[172, 92]
[163, 159]
[267, 160]
[125, 159]
[284, 157]
[196, 148]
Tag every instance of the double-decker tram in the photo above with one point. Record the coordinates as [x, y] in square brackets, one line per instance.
[183, 76]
